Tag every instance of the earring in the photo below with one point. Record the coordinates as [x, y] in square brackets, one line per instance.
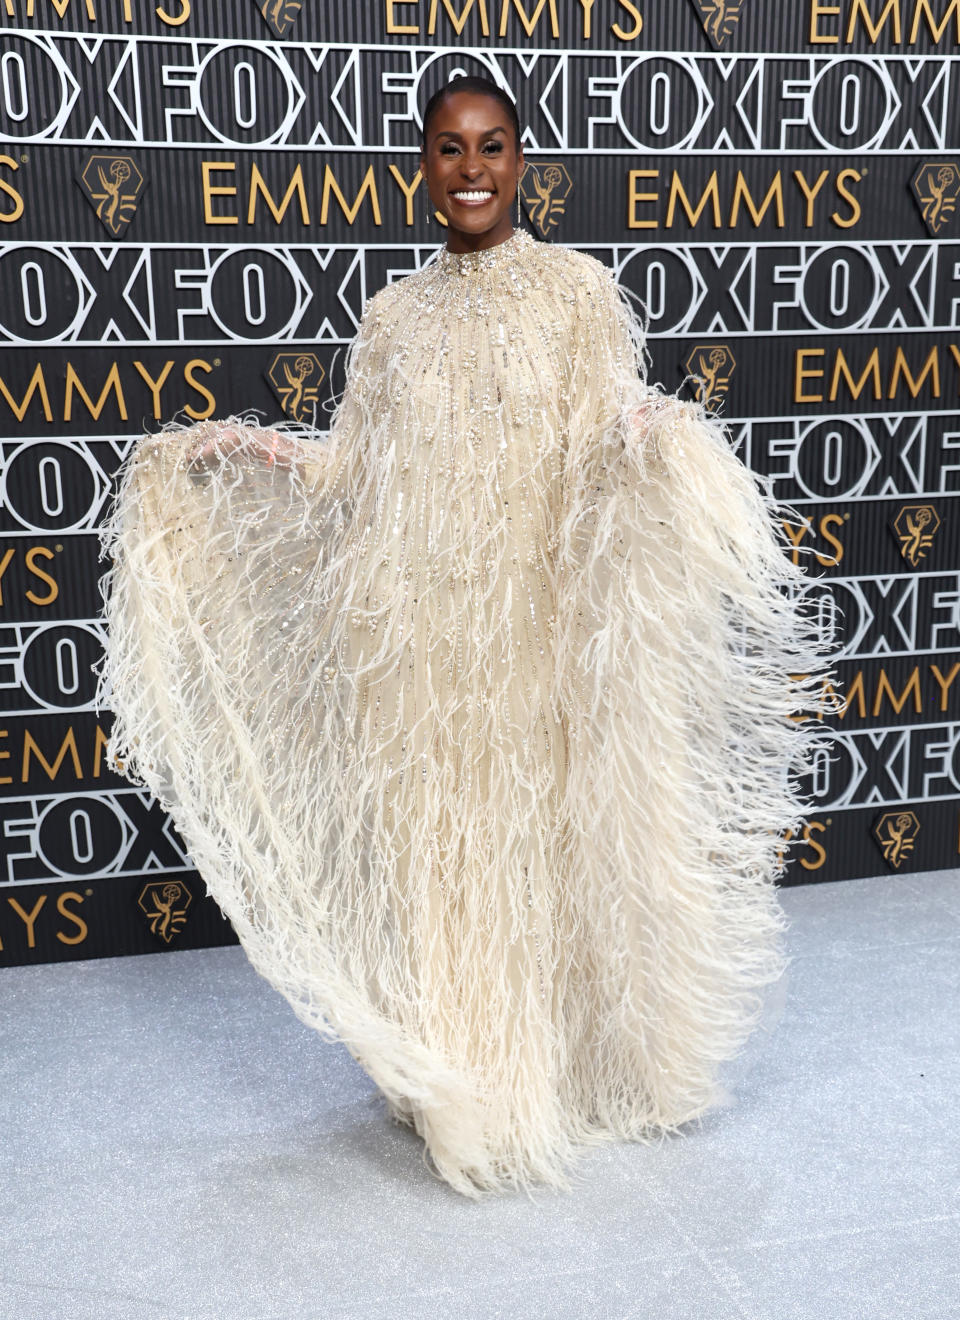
[518, 205]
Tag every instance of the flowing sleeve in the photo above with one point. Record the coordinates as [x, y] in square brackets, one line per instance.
[691, 673]
[229, 701]
[212, 563]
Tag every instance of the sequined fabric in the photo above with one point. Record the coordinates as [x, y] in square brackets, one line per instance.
[477, 716]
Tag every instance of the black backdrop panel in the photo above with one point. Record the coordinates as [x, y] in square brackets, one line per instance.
[188, 190]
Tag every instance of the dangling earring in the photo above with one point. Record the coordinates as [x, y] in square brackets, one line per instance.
[518, 205]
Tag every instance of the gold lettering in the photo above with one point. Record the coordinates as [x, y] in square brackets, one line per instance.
[30, 748]
[61, 6]
[37, 386]
[528, 23]
[818, 848]
[805, 837]
[930, 368]
[330, 185]
[637, 17]
[634, 198]
[847, 195]
[81, 925]
[198, 364]
[396, 27]
[944, 683]
[42, 552]
[258, 187]
[99, 748]
[855, 691]
[742, 198]
[742, 193]
[828, 521]
[796, 532]
[207, 167]
[175, 20]
[587, 6]
[955, 354]
[28, 918]
[458, 20]
[860, 16]
[810, 192]
[408, 190]
[937, 31]
[95, 409]
[871, 371]
[859, 10]
[8, 217]
[4, 565]
[5, 755]
[155, 385]
[898, 703]
[803, 373]
[710, 194]
[818, 11]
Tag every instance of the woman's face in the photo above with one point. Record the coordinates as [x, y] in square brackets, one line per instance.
[472, 167]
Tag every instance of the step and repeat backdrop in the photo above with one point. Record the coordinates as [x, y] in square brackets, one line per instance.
[197, 198]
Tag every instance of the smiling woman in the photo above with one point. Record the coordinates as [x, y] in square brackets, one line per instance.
[472, 160]
[483, 719]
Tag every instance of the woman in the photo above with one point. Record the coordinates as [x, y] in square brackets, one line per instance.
[477, 718]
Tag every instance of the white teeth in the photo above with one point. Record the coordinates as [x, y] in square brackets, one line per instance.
[477, 196]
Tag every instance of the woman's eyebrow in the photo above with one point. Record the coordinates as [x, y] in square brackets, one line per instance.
[489, 132]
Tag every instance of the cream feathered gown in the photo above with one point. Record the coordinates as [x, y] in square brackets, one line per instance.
[482, 719]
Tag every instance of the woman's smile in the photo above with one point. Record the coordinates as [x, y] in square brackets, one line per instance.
[473, 196]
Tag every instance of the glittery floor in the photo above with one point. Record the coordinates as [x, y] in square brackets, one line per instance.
[177, 1146]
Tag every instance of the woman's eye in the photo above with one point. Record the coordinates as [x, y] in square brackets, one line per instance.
[491, 148]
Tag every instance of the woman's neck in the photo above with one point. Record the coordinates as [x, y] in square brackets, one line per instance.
[458, 241]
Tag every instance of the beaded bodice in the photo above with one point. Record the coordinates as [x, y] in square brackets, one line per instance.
[492, 258]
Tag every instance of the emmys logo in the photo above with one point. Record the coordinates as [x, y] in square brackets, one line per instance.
[112, 185]
[896, 832]
[295, 378]
[915, 526]
[165, 903]
[711, 365]
[279, 15]
[719, 18]
[936, 188]
[544, 189]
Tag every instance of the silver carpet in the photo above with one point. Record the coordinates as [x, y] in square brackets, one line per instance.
[176, 1145]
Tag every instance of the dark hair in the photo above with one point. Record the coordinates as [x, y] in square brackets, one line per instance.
[480, 86]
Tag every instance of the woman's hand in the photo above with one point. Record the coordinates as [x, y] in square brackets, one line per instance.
[643, 414]
[269, 446]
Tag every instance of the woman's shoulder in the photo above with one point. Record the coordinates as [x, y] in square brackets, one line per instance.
[589, 280]
[586, 283]
[379, 303]
[383, 315]
[578, 261]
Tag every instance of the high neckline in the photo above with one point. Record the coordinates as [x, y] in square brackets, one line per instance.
[464, 263]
